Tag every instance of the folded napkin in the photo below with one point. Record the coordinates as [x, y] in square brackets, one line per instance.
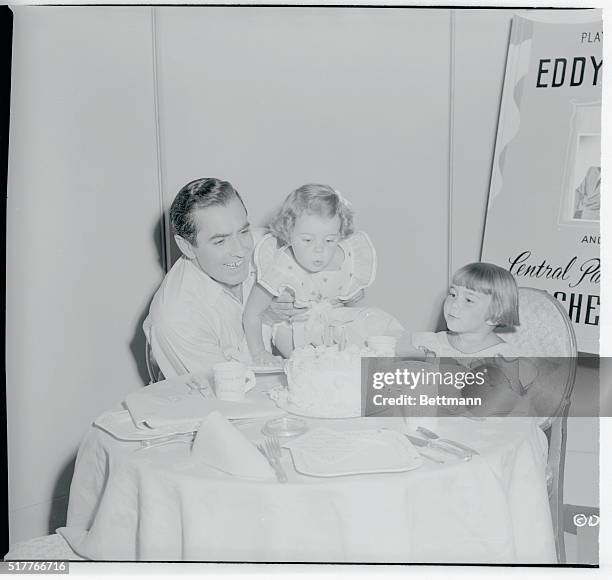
[172, 402]
[220, 445]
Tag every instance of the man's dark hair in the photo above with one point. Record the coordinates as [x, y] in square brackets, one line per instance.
[198, 194]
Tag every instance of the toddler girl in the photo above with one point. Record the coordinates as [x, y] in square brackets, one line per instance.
[481, 298]
[313, 252]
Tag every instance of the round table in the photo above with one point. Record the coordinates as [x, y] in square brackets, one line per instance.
[133, 503]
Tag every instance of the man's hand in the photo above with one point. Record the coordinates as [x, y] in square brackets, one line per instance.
[282, 309]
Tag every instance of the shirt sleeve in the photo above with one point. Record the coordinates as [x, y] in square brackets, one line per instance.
[178, 350]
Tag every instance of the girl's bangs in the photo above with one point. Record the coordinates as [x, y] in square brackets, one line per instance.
[472, 281]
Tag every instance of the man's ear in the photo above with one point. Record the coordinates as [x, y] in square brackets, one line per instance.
[184, 246]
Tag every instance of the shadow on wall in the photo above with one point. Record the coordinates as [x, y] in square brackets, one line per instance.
[138, 342]
[59, 505]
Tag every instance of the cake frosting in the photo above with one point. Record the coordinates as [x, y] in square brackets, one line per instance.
[324, 381]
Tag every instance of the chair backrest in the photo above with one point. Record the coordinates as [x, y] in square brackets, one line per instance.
[545, 330]
[546, 336]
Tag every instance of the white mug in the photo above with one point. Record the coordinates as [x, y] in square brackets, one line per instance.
[383, 345]
[232, 380]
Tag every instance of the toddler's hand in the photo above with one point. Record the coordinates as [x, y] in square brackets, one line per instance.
[265, 358]
[282, 309]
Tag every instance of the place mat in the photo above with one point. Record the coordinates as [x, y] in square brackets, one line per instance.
[327, 453]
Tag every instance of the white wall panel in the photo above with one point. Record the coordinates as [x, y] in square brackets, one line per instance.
[273, 98]
[480, 44]
[82, 250]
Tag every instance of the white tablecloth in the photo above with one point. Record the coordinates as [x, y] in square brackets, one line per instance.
[159, 504]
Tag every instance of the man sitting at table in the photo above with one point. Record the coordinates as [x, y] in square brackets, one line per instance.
[195, 318]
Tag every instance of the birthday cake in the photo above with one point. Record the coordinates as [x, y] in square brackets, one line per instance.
[324, 381]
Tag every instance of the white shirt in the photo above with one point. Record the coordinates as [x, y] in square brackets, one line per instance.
[193, 320]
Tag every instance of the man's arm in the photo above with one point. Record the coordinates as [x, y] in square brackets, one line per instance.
[178, 352]
[258, 302]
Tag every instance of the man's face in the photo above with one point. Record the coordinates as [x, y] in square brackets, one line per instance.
[224, 242]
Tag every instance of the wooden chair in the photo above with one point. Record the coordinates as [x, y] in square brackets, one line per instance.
[546, 331]
[155, 374]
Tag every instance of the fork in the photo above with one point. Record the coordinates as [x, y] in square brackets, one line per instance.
[273, 453]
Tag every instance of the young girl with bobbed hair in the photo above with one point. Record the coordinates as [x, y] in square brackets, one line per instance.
[482, 299]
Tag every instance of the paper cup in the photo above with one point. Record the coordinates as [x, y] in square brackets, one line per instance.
[382, 345]
[232, 380]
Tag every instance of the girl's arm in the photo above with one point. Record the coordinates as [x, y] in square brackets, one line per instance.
[258, 302]
[405, 348]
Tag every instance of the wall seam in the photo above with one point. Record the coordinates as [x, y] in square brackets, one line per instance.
[164, 249]
[451, 132]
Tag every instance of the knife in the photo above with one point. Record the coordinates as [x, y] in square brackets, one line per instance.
[440, 446]
[435, 437]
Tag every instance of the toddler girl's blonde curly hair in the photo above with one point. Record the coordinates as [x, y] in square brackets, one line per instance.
[314, 199]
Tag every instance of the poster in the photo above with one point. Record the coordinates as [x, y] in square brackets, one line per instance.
[544, 199]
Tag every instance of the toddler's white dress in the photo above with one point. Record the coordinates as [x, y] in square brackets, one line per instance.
[323, 293]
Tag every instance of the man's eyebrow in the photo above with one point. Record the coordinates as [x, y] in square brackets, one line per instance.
[218, 236]
[221, 236]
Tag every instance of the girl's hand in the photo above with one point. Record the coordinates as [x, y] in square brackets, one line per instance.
[263, 357]
[405, 348]
[510, 369]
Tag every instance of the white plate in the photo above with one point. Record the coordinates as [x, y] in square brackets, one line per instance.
[294, 410]
[120, 425]
[327, 453]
